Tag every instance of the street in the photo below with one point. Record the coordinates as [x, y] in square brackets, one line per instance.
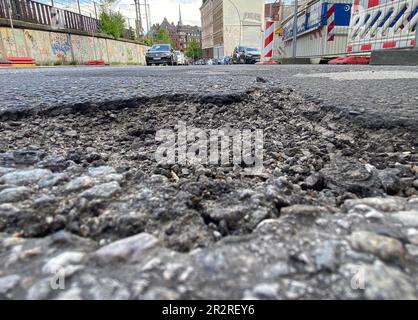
[392, 99]
[100, 197]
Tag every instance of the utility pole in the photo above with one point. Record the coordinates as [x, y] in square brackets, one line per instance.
[11, 25]
[94, 43]
[79, 8]
[146, 14]
[80, 16]
[95, 9]
[295, 29]
[416, 37]
[138, 21]
[149, 15]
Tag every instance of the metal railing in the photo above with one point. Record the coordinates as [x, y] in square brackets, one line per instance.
[40, 13]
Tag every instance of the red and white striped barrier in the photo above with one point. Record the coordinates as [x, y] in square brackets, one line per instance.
[331, 22]
[268, 41]
[382, 24]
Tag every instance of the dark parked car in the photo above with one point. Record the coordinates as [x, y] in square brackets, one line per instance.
[161, 54]
[246, 55]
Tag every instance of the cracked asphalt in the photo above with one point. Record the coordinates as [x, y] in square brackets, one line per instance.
[84, 201]
[379, 96]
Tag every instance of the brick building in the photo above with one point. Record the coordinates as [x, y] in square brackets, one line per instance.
[180, 33]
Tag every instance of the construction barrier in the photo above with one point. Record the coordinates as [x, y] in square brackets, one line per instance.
[322, 30]
[268, 41]
[382, 24]
[21, 62]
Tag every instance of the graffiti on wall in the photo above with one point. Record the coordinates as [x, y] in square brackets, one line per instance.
[38, 45]
[84, 48]
[46, 47]
[61, 45]
[13, 43]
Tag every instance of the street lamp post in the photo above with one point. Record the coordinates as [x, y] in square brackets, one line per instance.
[240, 21]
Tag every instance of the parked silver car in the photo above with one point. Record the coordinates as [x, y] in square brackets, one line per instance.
[181, 58]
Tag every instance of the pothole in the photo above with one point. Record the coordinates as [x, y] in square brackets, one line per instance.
[105, 183]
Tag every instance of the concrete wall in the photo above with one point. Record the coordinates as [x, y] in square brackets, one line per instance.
[48, 47]
[252, 20]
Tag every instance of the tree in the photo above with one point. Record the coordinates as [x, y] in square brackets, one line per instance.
[194, 51]
[148, 41]
[112, 23]
[132, 34]
[163, 36]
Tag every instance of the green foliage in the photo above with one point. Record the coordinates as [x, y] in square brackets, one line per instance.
[133, 34]
[57, 63]
[112, 23]
[73, 63]
[163, 36]
[194, 51]
[148, 41]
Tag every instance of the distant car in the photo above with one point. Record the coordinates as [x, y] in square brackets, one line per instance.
[225, 60]
[181, 58]
[161, 54]
[247, 55]
[201, 62]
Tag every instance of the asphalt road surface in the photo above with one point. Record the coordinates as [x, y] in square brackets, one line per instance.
[382, 96]
[87, 210]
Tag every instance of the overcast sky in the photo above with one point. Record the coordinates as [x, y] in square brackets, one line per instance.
[159, 9]
[170, 9]
[167, 8]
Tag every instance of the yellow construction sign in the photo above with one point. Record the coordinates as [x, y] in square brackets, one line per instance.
[279, 31]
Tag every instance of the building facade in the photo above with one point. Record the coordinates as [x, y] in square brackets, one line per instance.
[230, 23]
[207, 29]
[181, 35]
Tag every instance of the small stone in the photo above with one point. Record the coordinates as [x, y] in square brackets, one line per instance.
[71, 133]
[4, 170]
[386, 283]
[113, 177]
[408, 218]
[390, 181]
[52, 180]
[374, 215]
[412, 235]
[326, 256]
[380, 204]
[314, 181]
[134, 248]
[101, 171]
[263, 291]
[24, 177]
[7, 283]
[383, 247]
[79, 183]
[415, 184]
[67, 262]
[412, 249]
[70, 294]
[94, 156]
[14, 194]
[260, 80]
[344, 224]
[40, 290]
[412, 204]
[105, 190]
[305, 210]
